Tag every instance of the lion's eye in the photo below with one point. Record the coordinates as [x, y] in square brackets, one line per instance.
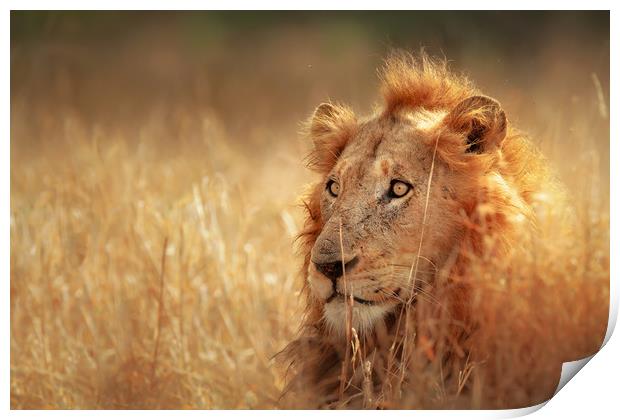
[399, 189]
[333, 187]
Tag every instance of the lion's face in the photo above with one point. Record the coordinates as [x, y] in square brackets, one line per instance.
[379, 212]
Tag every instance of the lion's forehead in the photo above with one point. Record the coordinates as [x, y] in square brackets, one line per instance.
[381, 149]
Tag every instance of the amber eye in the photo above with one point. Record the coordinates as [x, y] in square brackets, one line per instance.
[399, 189]
[333, 187]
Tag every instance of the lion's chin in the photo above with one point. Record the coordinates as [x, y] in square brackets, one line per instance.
[364, 317]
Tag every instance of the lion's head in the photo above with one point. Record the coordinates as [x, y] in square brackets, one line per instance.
[406, 197]
[397, 189]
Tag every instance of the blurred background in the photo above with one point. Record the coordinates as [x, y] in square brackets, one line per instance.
[156, 165]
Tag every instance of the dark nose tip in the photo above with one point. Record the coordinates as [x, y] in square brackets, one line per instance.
[333, 270]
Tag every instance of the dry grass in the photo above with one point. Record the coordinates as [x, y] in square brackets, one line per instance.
[153, 216]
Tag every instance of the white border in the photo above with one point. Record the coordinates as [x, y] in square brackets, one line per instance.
[595, 391]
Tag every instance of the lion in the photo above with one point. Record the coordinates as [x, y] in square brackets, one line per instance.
[407, 200]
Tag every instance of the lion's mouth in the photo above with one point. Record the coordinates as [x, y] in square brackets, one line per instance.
[342, 297]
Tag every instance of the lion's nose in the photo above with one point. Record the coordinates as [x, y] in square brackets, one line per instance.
[333, 270]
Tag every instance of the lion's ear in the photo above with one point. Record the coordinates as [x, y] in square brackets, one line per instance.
[482, 122]
[330, 127]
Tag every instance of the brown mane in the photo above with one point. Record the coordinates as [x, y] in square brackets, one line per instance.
[424, 82]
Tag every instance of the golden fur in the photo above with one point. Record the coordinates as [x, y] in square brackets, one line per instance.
[475, 183]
